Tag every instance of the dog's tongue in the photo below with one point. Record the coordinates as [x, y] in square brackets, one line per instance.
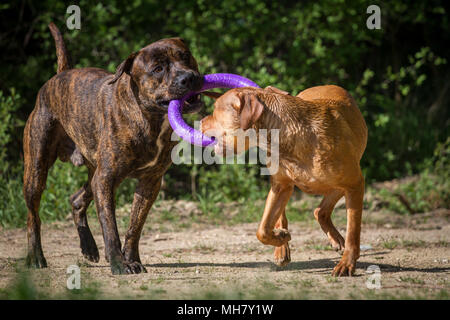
[211, 81]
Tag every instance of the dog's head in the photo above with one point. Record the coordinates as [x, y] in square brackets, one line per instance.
[162, 71]
[235, 112]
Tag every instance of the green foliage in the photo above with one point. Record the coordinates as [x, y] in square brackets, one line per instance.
[431, 189]
[398, 76]
[63, 180]
[399, 132]
[234, 182]
[238, 183]
[13, 205]
[24, 287]
[9, 104]
[21, 289]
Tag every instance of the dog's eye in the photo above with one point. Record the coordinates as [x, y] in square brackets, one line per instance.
[157, 69]
[186, 56]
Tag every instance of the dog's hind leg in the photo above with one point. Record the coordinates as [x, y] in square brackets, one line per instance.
[39, 146]
[354, 202]
[323, 216]
[283, 253]
[80, 201]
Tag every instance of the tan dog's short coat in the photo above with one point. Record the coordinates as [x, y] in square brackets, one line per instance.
[322, 137]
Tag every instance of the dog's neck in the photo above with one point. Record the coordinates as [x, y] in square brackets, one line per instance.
[288, 114]
[127, 91]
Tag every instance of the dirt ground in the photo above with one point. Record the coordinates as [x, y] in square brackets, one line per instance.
[227, 262]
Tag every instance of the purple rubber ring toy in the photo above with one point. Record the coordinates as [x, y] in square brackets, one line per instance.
[211, 81]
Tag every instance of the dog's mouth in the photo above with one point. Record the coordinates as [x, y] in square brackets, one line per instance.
[193, 104]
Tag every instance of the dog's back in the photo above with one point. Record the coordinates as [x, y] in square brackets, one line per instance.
[343, 105]
[330, 92]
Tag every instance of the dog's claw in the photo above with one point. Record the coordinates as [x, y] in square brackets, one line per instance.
[338, 246]
[92, 257]
[336, 240]
[136, 267]
[128, 268]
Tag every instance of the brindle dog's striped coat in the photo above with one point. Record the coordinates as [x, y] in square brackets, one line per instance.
[117, 126]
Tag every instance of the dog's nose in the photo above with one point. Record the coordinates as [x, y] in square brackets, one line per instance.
[185, 80]
[188, 81]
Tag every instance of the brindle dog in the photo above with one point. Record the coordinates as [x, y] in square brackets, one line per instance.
[114, 124]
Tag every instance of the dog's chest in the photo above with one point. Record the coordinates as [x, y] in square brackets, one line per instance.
[157, 145]
[300, 174]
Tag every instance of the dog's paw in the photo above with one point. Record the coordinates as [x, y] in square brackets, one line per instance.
[87, 244]
[136, 267]
[91, 254]
[36, 260]
[128, 268]
[277, 237]
[282, 236]
[282, 255]
[77, 158]
[345, 267]
[337, 242]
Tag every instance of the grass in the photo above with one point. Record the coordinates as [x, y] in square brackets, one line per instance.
[317, 245]
[229, 195]
[331, 279]
[424, 294]
[204, 248]
[390, 244]
[63, 180]
[427, 191]
[393, 243]
[307, 283]
[31, 285]
[412, 280]
[23, 288]
[414, 244]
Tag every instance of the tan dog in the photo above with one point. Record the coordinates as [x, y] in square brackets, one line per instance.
[322, 137]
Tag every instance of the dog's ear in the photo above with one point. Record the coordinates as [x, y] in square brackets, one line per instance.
[125, 66]
[211, 94]
[180, 39]
[276, 90]
[250, 111]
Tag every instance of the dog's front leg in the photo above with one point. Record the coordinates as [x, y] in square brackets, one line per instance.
[146, 192]
[282, 254]
[278, 197]
[103, 190]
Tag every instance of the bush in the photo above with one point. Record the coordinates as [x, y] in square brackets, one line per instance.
[233, 182]
[398, 75]
[429, 191]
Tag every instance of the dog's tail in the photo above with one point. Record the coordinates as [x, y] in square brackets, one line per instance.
[64, 62]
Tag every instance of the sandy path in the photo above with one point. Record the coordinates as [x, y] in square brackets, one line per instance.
[229, 262]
